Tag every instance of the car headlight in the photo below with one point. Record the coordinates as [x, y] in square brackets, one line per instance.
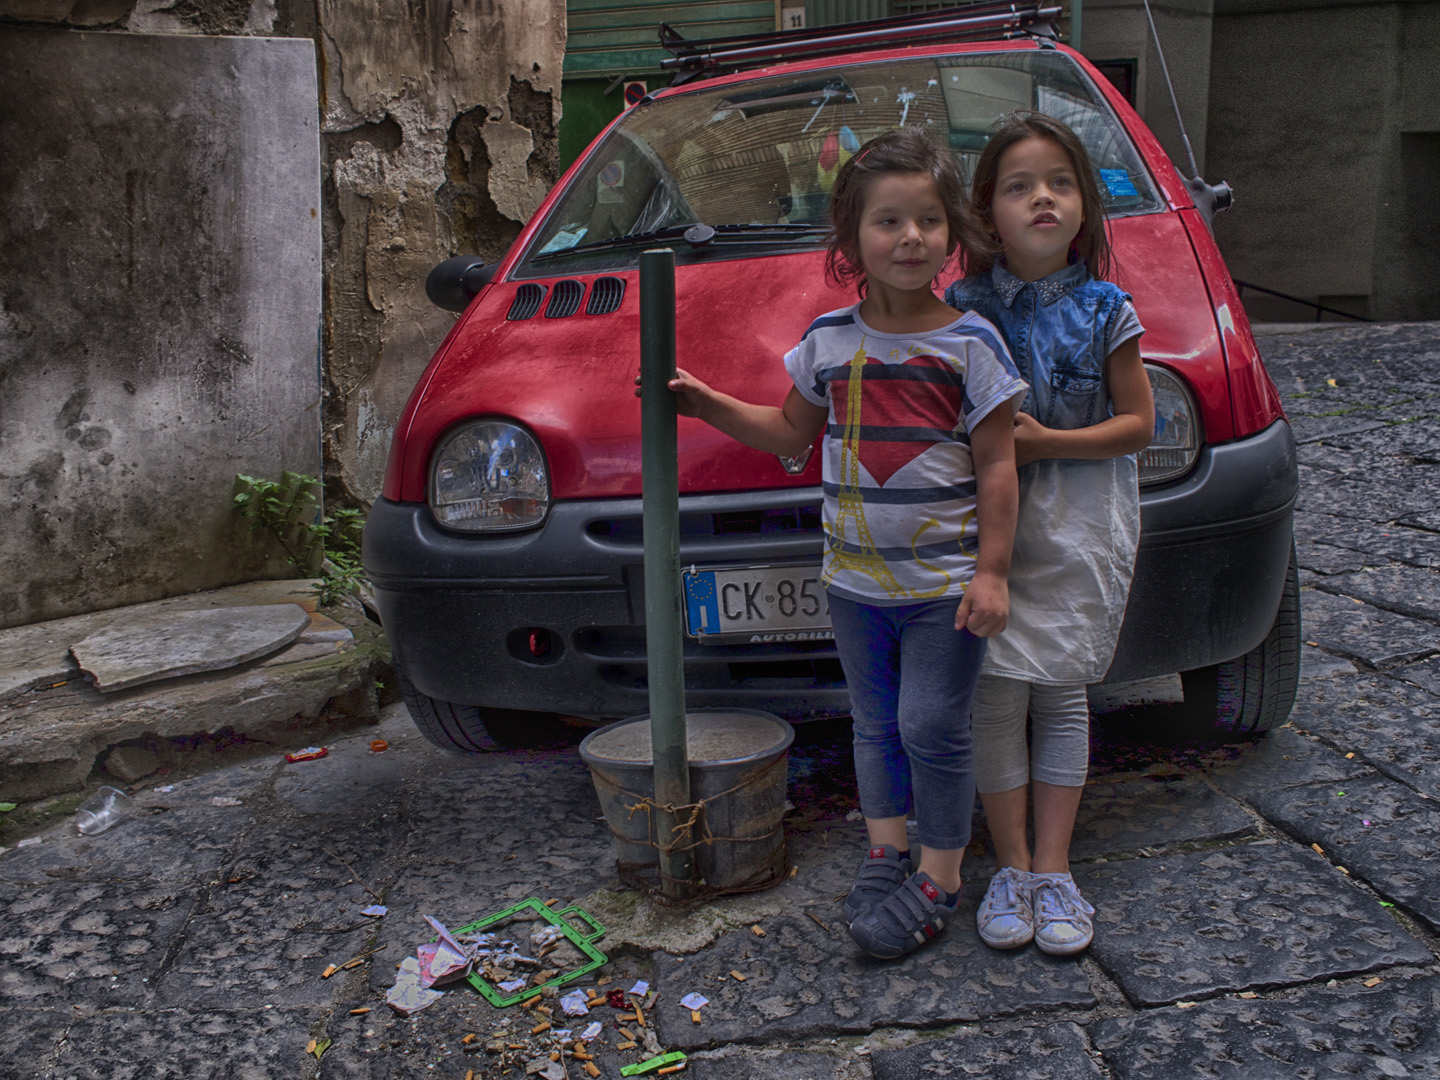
[489, 476]
[1176, 444]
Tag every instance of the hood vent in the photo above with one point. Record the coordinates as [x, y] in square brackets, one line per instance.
[565, 299]
[605, 296]
[527, 302]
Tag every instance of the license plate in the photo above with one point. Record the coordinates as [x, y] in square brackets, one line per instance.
[757, 604]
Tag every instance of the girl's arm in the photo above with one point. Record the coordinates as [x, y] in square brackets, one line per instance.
[1127, 432]
[786, 430]
[985, 609]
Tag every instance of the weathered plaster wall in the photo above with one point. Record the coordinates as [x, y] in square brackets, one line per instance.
[159, 308]
[437, 122]
[440, 137]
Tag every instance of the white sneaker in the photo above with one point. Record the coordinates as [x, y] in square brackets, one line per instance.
[1005, 919]
[1063, 924]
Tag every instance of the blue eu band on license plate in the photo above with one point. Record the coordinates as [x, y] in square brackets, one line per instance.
[775, 602]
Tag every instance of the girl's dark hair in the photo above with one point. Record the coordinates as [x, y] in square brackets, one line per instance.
[905, 150]
[1091, 244]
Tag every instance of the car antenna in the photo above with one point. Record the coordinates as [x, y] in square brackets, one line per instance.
[1210, 199]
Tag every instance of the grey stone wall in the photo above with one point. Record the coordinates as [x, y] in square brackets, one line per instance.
[436, 134]
[1325, 116]
[159, 308]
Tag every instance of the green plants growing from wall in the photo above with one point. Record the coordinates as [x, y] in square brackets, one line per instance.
[315, 544]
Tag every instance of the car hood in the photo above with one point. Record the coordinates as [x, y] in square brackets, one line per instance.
[570, 380]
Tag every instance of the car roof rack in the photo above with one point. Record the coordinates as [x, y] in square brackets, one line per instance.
[984, 20]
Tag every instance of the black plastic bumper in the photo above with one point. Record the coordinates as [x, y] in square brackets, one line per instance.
[460, 611]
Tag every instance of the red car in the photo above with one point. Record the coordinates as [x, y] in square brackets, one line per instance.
[506, 551]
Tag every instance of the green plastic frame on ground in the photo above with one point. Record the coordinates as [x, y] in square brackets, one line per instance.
[559, 919]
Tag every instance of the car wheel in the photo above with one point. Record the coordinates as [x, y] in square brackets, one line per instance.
[1252, 693]
[467, 728]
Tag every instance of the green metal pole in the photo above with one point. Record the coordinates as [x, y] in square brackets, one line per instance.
[664, 633]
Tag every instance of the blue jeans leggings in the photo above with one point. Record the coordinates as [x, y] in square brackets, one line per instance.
[911, 676]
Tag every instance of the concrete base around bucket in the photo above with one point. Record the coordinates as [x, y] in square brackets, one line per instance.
[738, 765]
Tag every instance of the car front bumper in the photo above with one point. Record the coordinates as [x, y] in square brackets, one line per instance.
[461, 611]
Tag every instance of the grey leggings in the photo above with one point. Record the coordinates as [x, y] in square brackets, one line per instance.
[1059, 750]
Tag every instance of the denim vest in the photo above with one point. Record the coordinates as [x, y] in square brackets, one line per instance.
[1061, 353]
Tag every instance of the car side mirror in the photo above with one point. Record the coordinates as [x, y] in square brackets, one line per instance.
[458, 280]
[1210, 199]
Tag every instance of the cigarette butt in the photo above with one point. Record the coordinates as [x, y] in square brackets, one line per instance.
[670, 1069]
[352, 963]
[737, 976]
[514, 1046]
[1343, 870]
[468, 1039]
[625, 1046]
[469, 1074]
[794, 870]
[581, 1055]
[529, 1002]
[1373, 982]
[625, 1031]
[546, 1009]
[639, 1016]
[552, 901]
[1350, 756]
[366, 1009]
[1317, 849]
[758, 930]
[1249, 995]
[544, 1025]
[330, 969]
[694, 1016]
[591, 1069]
[554, 1055]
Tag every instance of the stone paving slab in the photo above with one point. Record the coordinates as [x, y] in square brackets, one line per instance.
[1314, 428]
[1321, 558]
[1425, 674]
[1379, 543]
[1324, 1032]
[1316, 664]
[32, 1039]
[1055, 1052]
[1283, 759]
[1259, 915]
[165, 645]
[1412, 440]
[1380, 831]
[1394, 726]
[1378, 494]
[1344, 625]
[1403, 589]
[97, 943]
[282, 909]
[752, 1063]
[803, 979]
[1126, 816]
[166, 1045]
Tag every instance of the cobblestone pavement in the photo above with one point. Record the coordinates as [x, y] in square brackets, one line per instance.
[1268, 909]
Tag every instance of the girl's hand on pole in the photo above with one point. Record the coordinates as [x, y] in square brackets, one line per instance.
[691, 393]
[985, 608]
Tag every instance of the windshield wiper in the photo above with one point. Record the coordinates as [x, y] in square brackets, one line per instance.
[698, 235]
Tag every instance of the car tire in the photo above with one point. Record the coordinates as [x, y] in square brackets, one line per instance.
[1252, 693]
[466, 728]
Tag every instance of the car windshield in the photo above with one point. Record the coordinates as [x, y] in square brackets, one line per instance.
[755, 160]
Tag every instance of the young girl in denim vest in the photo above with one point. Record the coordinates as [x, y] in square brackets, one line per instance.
[917, 404]
[1075, 339]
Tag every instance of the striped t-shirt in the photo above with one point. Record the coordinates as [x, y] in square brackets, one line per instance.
[898, 478]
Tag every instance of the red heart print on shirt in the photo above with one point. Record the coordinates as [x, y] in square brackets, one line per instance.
[899, 403]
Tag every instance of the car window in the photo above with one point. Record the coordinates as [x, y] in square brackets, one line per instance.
[756, 160]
